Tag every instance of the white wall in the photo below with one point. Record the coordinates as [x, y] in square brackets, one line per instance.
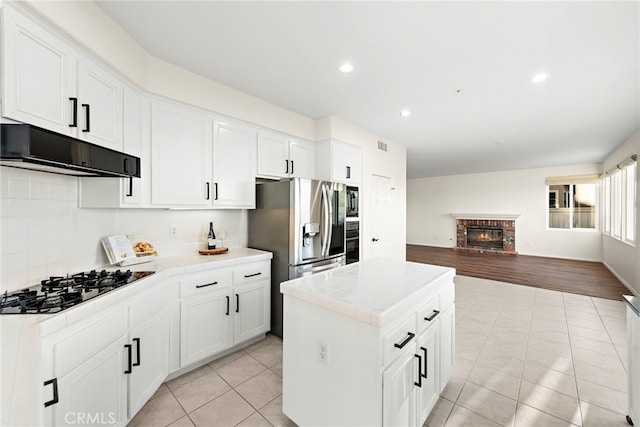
[431, 201]
[44, 233]
[621, 258]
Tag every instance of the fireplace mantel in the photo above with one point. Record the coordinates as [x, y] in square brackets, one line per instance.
[499, 217]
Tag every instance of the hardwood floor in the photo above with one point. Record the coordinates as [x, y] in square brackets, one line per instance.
[578, 277]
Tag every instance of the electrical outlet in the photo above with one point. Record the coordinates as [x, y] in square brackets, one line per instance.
[173, 230]
[323, 353]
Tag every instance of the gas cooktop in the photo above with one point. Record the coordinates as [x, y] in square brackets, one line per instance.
[58, 293]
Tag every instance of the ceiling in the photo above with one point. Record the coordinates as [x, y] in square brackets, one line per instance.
[463, 69]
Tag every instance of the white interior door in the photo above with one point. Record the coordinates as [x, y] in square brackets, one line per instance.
[381, 222]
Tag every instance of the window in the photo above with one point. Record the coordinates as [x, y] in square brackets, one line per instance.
[620, 201]
[572, 202]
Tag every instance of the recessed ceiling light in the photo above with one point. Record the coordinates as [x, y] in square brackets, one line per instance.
[538, 78]
[405, 113]
[346, 67]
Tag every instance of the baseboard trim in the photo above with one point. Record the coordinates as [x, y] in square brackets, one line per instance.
[621, 279]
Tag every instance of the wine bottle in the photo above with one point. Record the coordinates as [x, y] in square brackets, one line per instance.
[211, 237]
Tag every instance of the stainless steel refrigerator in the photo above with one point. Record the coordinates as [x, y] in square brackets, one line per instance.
[302, 222]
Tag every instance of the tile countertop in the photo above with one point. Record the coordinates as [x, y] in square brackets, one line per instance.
[374, 291]
[633, 303]
[164, 268]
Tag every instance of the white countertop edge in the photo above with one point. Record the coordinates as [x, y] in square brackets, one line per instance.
[163, 267]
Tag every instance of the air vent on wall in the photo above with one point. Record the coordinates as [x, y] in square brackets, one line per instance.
[382, 146]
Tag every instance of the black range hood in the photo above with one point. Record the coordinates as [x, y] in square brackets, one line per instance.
[30, 147]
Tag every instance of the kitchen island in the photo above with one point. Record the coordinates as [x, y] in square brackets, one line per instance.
[371, 343]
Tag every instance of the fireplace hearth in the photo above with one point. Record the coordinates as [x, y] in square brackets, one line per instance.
[486, 233]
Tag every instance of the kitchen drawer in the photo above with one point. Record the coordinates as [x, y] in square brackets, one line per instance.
[398, 339]
[72, 351]
[428, 313]
[251, 272]
[202, 283]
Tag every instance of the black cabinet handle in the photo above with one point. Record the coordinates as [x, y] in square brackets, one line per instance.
[409, 337]
[374, 239]
[87, 112]
[433, 316]
[129, 356]
[253, 275]
[237, 303]
[215, 188]
[53, 401]
[291, 167]
[208, 284]
[130, 193]
[425, 375]
[286, 168]
[208, 191]
[419, 383]
[74, 104]
[137, 341]
[348, 172]
[227, 297]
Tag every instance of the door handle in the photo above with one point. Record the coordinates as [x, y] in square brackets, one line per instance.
[137, 341]
[74, 103]
[348, 172]
[426, 374]
[215, 191]
[227, 297]
[291, 167]
[130, 193]
[129, 357]
[374, 239]
[237, 303]
[53, 401]
[87, 126]
[286, 168]
[419, 383]
[208, 191]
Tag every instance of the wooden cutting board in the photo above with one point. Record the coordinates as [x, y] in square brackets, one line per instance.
[216, 251]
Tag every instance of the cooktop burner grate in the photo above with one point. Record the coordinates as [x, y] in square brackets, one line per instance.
[58, 293]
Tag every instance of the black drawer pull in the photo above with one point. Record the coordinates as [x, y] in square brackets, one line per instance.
[55, 392]
[419, 383]
[426, 374]
[137, 341]
[208, 284]
[433, 316]
[252, 275]
[129, 356]
[409, 337]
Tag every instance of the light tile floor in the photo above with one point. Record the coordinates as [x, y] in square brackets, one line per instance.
[525, 357]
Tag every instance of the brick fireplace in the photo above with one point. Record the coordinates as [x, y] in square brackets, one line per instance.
[486, 233]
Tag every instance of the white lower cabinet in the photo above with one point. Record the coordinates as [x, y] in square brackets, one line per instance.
[204, 326]
[221, 308]
[104, 369]
[399, 407]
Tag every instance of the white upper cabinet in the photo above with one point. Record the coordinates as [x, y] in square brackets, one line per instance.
[234, 165]
[180, 156]
[49, 84]
[39, 73]
[100, 109]
[339, 161]
[280, 156]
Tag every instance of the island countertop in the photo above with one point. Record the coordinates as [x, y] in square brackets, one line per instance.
[374, 291]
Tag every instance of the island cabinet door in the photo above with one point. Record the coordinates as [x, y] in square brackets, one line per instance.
[398, 387]
[447, 345]
[428, 348]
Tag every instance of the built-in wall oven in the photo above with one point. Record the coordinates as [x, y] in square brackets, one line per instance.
[352, 241]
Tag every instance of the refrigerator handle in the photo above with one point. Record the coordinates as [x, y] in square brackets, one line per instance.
[325, 220]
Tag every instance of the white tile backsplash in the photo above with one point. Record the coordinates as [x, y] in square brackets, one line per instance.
[44, 233]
